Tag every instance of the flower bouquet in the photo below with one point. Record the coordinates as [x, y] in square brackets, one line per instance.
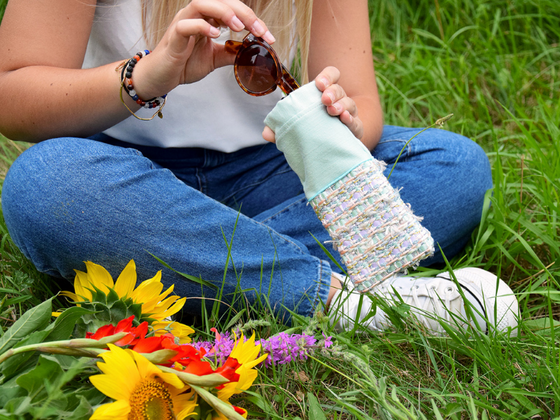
[117, 354]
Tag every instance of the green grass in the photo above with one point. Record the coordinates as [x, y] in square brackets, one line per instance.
[494, 65]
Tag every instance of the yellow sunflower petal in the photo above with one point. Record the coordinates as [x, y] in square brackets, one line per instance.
[252, 364]
[177, 306]
[246, 379]
[99, 277]
[127, 280]
[153, 283]
[163, 305]
[117, 410]
[82, 286]
[164, 294]
[109, 386]
[148, 369]
[71, 295]
[181, 331]
[169, 306]
[157, 277]
[183, 404]
[147, 293]
[246, 351]
[121, 369]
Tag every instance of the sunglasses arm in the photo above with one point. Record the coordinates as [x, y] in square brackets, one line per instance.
[233, 47]
[288, 84]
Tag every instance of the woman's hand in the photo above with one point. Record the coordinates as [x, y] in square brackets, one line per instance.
[337, 102]
[186, 52]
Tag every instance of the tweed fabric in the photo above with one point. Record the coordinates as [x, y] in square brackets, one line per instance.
[375, 232]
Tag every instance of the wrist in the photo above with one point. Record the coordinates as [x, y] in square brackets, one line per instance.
[142, 80]
[128, 85]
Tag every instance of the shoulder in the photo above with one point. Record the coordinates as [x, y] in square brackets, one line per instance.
[61, 27]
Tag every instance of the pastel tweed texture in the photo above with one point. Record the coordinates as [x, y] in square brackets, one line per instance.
[375, 232]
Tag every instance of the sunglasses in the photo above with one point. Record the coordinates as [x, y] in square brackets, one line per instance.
[258, 69]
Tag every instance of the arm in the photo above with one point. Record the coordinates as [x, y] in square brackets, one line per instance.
[42, 45]
[341, 37]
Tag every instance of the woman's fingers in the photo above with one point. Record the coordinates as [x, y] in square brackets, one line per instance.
[353, 123]
[268, 134]
[327, 77]
[337, 102]
[231, 13]
[342, 105]
[184, 29]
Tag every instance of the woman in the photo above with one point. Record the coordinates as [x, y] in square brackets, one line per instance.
[200, 188]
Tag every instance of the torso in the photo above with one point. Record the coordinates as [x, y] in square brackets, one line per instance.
[213, 113]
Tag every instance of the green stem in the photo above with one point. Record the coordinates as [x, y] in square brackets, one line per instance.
[212, 380]
[335, 370]
[438, 123]
[74, 347]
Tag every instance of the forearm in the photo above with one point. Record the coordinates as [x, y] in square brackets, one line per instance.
[47, 102]
[369, 111]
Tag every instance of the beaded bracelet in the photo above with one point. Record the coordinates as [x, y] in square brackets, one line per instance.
[127, 68]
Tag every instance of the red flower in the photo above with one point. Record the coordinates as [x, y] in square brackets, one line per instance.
[239, 410]
[188, 359]
[133, 333]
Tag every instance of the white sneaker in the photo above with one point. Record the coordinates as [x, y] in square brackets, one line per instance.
[433, 300]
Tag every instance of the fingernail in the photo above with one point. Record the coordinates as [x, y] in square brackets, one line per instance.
[214, 31]
[269, 38]
[237, 23]
[325, 82]
[257, 28]
[338, 107]
[331, 97]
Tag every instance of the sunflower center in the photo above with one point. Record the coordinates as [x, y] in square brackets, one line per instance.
[151, 400]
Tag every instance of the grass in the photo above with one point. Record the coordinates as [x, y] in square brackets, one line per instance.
[494, 65]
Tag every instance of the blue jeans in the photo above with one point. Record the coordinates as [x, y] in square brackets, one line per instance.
[234, 220]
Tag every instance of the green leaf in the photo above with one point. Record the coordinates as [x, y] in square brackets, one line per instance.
[34, 381]
[34, 319]
[112, 297]
[187, 276]
[64, 325]
[541, 325]
[118, 311]
[83, 410]
[315, 410]
[10, 391]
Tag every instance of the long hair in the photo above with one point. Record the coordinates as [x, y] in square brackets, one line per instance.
[277, 14]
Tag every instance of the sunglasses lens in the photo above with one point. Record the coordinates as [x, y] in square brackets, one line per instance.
[256, 69]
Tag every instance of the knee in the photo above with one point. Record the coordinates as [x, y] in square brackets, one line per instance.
[462, 161]
[474, 162]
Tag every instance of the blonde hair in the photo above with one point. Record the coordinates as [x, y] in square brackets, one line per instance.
[277, 14]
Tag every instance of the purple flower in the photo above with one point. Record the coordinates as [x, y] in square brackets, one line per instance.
[282, 348]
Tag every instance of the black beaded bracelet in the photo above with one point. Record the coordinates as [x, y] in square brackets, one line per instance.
[126, 83]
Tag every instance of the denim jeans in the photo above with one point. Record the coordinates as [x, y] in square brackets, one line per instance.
[237, 220]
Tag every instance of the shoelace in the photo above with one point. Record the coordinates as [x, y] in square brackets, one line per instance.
[425, 300]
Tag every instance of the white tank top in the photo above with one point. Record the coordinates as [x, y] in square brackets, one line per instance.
[214, 113]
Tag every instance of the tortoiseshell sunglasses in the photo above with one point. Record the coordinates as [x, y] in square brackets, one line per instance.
[258, 69]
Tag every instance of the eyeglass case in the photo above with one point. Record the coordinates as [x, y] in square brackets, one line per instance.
[375, 232]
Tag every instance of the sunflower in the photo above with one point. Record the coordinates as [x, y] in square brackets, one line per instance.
[246, 353]
[140, 389]
[155, 306]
